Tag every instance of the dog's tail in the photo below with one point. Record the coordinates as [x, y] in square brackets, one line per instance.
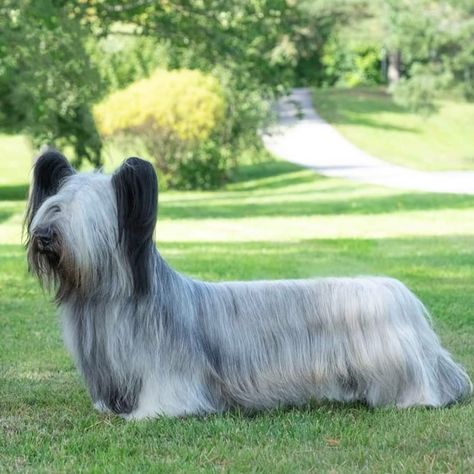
[453, 382]
[439, 381]
[450, 383]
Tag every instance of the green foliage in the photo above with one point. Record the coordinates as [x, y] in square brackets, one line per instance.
[178, 115]
[57, 59]
[184, 104]
[123, 59]
[204, 166]
[68, 54]
[351, 64]
[436, 40]
[420, 91]
[248, 46]
[247, 109]
[47, 80]
[323, 55]
[243, 35]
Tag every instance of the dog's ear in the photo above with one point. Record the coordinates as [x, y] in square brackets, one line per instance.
[136, 190]
[49, 172]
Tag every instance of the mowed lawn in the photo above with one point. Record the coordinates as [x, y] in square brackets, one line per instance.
[371, 120]
[277, 221]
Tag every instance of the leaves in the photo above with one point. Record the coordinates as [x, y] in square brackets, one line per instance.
[436, 42]
[47, 80]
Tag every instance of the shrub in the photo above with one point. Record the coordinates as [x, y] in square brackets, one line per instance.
[205, 166]
[184, 103]
[248, 109]
[351, 64]
[179, 116]
[420, 89]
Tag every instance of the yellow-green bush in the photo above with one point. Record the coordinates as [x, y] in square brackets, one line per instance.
[184, 103]
[178, 115]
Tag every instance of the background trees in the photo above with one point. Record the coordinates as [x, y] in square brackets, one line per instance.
[48, 80]
[434, 40]
[58, 58]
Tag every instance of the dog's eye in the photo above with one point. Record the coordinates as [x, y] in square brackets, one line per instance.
[55, 209]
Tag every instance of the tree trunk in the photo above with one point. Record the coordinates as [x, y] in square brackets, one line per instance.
[394, 66]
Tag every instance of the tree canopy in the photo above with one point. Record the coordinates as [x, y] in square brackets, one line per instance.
[53, 66]
[47, 79]
[436, 42]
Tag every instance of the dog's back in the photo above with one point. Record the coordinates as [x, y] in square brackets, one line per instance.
[363, 338]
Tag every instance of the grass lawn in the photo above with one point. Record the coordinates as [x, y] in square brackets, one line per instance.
[369, 119]
[277, 221]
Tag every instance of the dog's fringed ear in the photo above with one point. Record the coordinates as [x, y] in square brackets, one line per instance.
[136, 189]
[49, 172]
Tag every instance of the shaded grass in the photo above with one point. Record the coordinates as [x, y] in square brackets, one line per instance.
[46, 420]
[13, 192]
[370, 119]
[275, 188]
[306, 203]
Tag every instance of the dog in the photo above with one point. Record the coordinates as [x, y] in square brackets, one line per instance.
[149, 341]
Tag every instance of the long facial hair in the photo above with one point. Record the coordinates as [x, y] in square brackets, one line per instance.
[54, 267]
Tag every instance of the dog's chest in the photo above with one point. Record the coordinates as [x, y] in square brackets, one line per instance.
[88, 329]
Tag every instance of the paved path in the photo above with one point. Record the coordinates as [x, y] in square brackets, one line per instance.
[303, 137]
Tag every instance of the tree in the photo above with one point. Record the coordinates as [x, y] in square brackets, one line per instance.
[241, 35]
[435, 40]
[323, 25]
[51, 71]
[247, 45]
[47, 81]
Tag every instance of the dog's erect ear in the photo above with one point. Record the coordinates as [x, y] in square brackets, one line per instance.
[50, 170]
[136, 189]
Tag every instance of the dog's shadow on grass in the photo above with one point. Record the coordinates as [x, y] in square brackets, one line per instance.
[319, 409]
[313, 406]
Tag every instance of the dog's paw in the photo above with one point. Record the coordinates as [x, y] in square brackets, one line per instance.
[138, 415]
[101, 407]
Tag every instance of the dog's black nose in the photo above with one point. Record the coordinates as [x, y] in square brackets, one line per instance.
[44, 235]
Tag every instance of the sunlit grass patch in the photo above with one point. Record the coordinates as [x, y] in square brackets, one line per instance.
[370, 119]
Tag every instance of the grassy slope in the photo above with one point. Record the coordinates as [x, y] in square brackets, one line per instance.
[368, 118]
[277, 222]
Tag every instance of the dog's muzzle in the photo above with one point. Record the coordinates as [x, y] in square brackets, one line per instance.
[45, 238]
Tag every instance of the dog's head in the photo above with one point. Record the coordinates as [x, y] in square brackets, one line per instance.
[89, 232]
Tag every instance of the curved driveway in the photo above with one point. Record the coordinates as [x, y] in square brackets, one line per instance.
[301, 136]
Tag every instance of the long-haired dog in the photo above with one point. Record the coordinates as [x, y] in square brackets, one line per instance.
[150, 341]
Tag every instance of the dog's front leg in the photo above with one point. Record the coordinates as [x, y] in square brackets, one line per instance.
[122, 399]
[111, 393]
[101, 406]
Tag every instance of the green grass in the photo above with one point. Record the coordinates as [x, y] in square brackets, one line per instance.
[277, 221]
[15, 162]
[370, 119]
